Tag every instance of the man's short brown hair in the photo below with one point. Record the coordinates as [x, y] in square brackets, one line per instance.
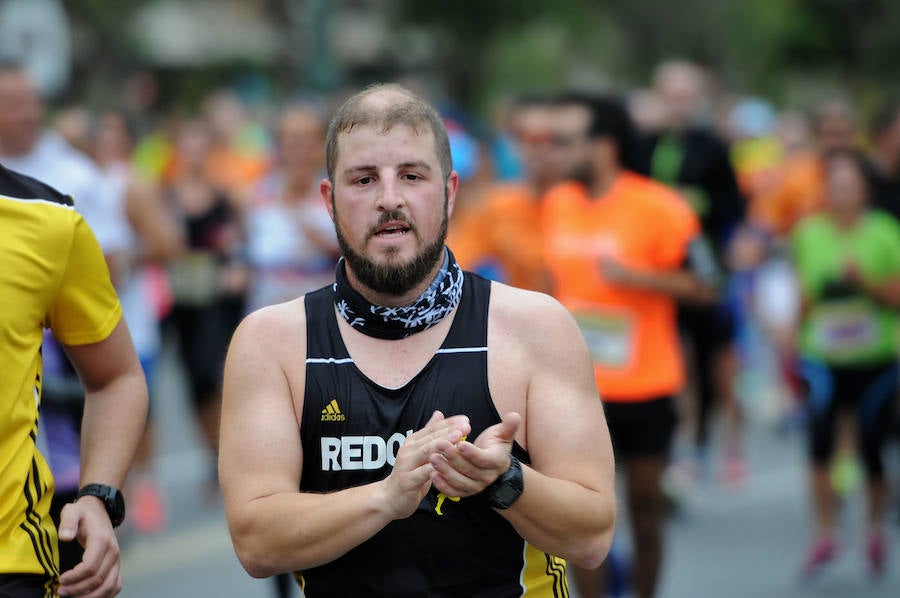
[409, 110]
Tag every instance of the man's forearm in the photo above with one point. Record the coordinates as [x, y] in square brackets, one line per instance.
[295, 531]
[680, 285]
[564, 518]
[114, 419]
[886, 293]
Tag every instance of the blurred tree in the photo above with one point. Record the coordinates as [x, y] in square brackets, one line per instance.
[853, 41]
[787, 50]
[104, 47]
[467, 33]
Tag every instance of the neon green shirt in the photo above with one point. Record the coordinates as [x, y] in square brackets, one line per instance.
[843, 325]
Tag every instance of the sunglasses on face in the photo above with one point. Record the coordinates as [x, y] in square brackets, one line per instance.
[554, 139]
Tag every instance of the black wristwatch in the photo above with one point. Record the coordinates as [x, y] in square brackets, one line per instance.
[112, 499]
[507, 488]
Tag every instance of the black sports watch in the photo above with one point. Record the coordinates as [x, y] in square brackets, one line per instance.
[112, 499]
[507, 488]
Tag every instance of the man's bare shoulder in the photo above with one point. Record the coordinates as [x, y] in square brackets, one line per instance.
[529, 315]
[278, 329]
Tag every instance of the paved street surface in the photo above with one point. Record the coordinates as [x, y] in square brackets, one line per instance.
[723, 543]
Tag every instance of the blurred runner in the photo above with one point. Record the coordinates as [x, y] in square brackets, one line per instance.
[884, 160]
[545, 135]
[621, 251]
[239, 151]
[291, 245]
[768, 382]
[802, 188]
[208, 280]
[847, 260]
[29, 148]
[53, 276]
[692, 159]
[801, 192]
[152, 238]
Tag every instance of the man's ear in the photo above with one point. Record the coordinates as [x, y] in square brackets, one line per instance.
[452, 188]
[325, 191]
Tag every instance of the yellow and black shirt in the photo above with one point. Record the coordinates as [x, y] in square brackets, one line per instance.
[351, 430]
[52, 274]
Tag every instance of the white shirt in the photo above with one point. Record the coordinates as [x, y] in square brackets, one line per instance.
[55, 162]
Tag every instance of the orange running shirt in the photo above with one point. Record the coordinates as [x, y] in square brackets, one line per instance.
[514, 214]
[632, 333]
[497, 233]
[467, 235]
[801, 192]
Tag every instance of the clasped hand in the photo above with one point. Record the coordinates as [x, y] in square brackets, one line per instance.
[438, 455]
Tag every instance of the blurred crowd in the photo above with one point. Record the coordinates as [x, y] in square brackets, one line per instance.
[206, 216]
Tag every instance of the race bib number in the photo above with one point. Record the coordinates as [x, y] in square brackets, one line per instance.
[845, 329]
[194, 278]
[609, 336]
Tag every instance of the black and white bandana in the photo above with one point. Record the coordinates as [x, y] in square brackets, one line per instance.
[393, 323]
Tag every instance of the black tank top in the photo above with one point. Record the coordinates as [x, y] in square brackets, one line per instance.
[351, 430]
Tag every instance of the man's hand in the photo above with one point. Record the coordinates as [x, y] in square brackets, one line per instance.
[616, 273]
[97, 575]
[410, 478]
[466, 468]
[853, 275]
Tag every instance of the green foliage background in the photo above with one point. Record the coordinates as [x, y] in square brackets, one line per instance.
[790, 51]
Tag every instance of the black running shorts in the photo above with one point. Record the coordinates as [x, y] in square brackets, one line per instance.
[26, 586]
[643, 428]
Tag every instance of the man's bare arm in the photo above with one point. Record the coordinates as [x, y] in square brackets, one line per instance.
[115, 406]
[568, 506]
[115, 412]
[682, 285]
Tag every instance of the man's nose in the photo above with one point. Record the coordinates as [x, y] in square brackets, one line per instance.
[390, 196]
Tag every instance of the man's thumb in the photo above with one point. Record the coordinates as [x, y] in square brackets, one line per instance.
[68, 523]
[509, 426]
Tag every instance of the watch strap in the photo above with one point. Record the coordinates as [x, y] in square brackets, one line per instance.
[112, 500]
[507, 488]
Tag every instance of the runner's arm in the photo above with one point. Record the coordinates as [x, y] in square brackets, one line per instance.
[568, 507]
[885, 292]
[694, 282]
[115, 412]
[115, 406]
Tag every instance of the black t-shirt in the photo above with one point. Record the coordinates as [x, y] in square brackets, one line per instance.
[698, 163]
[885, 190]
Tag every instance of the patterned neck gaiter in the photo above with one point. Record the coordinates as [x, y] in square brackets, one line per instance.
[393, 323]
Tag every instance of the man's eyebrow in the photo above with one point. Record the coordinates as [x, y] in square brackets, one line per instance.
[415, 164]
[352, 170]
[362, 168]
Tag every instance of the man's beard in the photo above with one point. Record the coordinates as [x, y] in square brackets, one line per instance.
[393, 278]
[583, 174]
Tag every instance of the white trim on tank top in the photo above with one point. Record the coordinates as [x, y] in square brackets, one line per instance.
[332, 360]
